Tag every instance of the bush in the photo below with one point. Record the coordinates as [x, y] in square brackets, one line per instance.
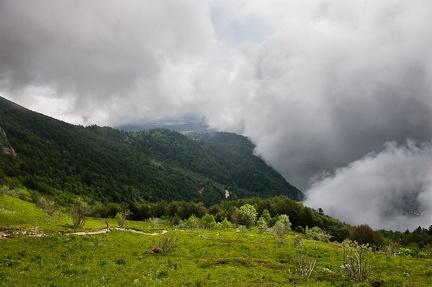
[122, 217]
[193, 222]
[242, 229]
[48, 206]
[316, 233]
[262, 224]
[208, 222]
[154, 222]
[363, 234]
[355, 260]
[248, 215]
[281, 228]
[305, 264]
[167, 243]
[266, 216]
[225, 224]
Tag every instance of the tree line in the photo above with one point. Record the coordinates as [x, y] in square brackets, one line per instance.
[265, 213]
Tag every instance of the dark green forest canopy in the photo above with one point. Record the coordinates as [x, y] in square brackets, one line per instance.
[104, 164]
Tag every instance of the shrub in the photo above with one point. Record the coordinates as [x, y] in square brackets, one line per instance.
[225, 224]
[48, 206]
[242, 229]
[281, 228]
[262, 224]
[285, 221]
[208, 222]
[167, 243]
[266, 216]
[122, 217]
[305, 264]
[154, 222]
[248, 215]
[355, 260]
[316, 233]
[193, 222]
[279, 231]
[363, 234]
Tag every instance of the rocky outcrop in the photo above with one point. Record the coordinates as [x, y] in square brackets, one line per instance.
[5, 146]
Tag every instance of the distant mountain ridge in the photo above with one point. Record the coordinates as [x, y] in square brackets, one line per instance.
[104, 164]
[182, 125]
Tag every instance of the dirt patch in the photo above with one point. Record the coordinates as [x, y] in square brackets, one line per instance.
[122, 229]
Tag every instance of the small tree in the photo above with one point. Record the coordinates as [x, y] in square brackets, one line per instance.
[154, 222]
[248, 215]
[193, 222]
[262, 224]
[281, 228]
[79, 213]
[168, 242]
[363, 234]
[225, 224]
[208, 221]
[266, 216]
[355, 260]
[286, 222]
[49, 207]
[279, 231]
[317, 234]
[122, 217]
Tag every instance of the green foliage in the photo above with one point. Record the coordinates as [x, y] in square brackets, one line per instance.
[355, 260]
[265, 215]
[168, 243]
[316, 233]
[122, 217]
[305, 264]
[208, 222]
[248, 215]
[225, 224]
[364, 234]
[281, 228]
[154, 222]
[278, 205]
[284, 219]
[48, 206]
[193, 222]
[262, 224]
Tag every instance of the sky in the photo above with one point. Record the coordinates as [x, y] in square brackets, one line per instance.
[335, 94]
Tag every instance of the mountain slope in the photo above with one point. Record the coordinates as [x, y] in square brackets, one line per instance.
[110, 165]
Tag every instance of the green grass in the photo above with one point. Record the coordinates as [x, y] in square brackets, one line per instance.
[202, 258]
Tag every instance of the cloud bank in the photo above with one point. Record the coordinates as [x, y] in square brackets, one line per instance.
[391, 189]
[318, 86]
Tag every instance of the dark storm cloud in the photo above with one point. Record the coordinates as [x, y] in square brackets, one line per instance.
[102, 54]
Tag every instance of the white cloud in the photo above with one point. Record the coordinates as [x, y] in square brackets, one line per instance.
[391, 189]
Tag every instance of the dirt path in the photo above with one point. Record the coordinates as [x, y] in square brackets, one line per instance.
[118, 228]
[102, 231]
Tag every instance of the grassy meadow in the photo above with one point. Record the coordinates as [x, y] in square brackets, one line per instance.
[41, 253]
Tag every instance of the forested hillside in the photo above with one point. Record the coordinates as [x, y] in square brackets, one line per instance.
[103, 164]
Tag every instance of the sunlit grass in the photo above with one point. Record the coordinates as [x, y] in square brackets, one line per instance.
[202, 257]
